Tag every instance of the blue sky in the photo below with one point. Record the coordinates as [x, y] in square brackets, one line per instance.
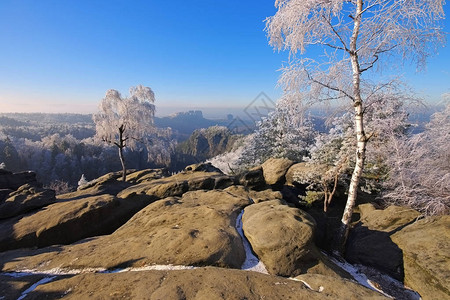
[62, 56]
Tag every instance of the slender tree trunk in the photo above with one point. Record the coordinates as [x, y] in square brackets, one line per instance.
[122, 161]
[121, 145]
[360, 135]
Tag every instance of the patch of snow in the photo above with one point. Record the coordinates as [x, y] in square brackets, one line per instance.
[34, 286]
[388, 284]
[152, 268]
[251, 263]
[61, 271]
[357, 275]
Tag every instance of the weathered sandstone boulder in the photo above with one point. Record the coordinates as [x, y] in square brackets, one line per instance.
[283, 238]
[202, 167]
[175, 185]
[370, 241]
[147, 175]
[13, 181]
[4, 193]
[197, 229]
[108, 184]
[253, 179]
[390, 219]
[255, 196]
[26, 198]
[274, 170]
[202, 283]
[426, 255]
[67, 222]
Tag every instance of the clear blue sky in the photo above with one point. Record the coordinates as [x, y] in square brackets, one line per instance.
[62, 55]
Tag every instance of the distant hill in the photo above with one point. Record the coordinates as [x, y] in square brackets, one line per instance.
[44, 118]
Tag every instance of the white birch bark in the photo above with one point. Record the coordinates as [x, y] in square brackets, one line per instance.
[359, 130]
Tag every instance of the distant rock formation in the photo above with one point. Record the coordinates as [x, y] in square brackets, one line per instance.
[203, 144]
[185, 122]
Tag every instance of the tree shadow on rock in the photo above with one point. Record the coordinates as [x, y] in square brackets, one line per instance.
[375, 249]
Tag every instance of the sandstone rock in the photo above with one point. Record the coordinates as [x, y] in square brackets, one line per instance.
[202, 167]
[253, 179]
[370, 241]
[11, 287]
[147, 175]
[223, 182]
[109, 184]
[338, 288]
[4, 193]
[375, 249]
[282, 237]
[175, 185]
[25, 199]
[255, 196]
[202, 283]
[386, 220]
[12, 181]
[197, 229]
[274, 170]
[426, 255]
[67, 222]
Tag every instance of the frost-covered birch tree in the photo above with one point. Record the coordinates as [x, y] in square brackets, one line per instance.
[332, 155]
[354, 37]
[125, 121]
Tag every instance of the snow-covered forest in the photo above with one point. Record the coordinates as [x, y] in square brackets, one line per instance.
[63, 150]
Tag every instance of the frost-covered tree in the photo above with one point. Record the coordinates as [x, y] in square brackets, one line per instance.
[419, 168]
[354, 37]
[285, 133]
[231, 162]
[125, 121]
[332, 154]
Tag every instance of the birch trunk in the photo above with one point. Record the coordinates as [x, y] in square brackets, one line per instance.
[360, 135]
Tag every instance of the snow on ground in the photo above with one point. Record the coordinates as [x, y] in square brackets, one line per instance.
[357, 275]
[377, 281]
[34, 286]
[251, 263]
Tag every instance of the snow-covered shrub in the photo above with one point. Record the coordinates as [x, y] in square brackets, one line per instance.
[82, 181]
